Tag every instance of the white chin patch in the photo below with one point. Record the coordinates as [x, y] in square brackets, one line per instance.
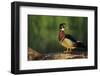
[62, 29]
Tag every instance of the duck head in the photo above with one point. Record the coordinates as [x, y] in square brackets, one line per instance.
[61, 27]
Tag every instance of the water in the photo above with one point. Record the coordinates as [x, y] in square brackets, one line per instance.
[67, 55]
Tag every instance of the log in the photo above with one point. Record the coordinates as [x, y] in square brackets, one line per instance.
[34, 55]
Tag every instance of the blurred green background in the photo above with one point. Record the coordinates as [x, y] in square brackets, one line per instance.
[43, 31]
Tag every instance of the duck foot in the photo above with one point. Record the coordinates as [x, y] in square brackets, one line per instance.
[67, 51]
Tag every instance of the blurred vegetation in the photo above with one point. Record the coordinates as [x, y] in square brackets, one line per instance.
[43, 31]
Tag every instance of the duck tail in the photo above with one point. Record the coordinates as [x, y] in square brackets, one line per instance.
[80, 45]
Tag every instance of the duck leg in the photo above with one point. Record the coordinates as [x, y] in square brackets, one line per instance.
[70, 49]
[66, 51]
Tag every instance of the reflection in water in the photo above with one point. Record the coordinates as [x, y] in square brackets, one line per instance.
[67, 55]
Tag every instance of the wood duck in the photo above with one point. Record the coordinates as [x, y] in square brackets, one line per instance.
[67, 40]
